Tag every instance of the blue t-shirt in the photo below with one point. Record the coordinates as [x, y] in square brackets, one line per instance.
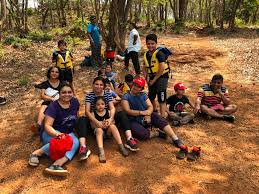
[136, 103]
[64, 119]
[94, 31]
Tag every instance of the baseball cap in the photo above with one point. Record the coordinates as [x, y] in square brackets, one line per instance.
[140, 82]
[179, 86]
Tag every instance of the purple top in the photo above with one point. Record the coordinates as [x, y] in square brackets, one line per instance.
[64, 119]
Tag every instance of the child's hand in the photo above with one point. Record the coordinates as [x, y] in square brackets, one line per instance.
[147, 119]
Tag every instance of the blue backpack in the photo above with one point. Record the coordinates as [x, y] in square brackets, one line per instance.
[166, 51]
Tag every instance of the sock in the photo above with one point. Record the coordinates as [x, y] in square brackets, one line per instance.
[101, 151]
[162, 135]
[121, 146]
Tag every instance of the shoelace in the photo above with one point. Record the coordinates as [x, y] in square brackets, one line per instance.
[82, 149]
[133, 141]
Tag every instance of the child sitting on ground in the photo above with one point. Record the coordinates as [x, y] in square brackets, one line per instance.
[103, 128]
[110, 74]
[108, 87]
[126, 85]
[176, 111]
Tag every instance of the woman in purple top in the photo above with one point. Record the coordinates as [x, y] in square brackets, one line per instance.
[61, 117]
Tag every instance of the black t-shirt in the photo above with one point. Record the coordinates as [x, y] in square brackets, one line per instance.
[45, 85]
[161, 58]
[177, 104]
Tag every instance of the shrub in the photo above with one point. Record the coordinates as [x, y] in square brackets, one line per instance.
[39, 36]
[72, 41]
[57, 31]
[17, 42]
[23, 81]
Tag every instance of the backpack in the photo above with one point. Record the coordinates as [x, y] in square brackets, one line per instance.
[167, 53]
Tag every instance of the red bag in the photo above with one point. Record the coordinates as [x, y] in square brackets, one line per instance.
[59, 145]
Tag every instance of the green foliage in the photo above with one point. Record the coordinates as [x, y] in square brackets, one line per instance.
[72, 41]
[17, 42]
[57, 31]
[78, 28]
[39, 36]
[239, 22]
[23, 81]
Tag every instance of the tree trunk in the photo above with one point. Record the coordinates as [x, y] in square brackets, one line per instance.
[148, 14]
[3, 15]
[234, 6]
[222, 13]
[254, 17]
[200, 12]
[166, 9]
[26, 28]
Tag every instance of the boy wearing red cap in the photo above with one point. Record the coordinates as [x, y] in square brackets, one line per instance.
[176, 110]
[142, 118]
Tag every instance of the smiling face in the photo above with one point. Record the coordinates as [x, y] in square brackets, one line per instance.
[107, 87]
[136, 89]
[180, 92]
[54, 73]
[62, 47]
[98, 86]
[108, 69]
[100, 105]
[66, 94]
[151, 45]
[216, 84]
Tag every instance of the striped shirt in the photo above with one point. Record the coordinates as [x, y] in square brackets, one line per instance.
[91, 96]
[209, 98]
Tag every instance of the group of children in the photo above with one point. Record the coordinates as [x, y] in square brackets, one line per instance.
[100, 105]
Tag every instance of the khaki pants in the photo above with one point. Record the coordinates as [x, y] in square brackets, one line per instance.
[183, 117]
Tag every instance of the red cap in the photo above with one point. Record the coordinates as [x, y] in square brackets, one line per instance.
[140, 82]
[179, 86]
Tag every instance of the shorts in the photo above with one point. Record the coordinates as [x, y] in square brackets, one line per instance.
[67, 75]
[158, 89]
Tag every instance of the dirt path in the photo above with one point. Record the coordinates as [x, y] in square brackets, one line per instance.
[229, 162]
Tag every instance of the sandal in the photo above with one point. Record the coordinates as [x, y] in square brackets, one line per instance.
[56, 170]
[34, 160]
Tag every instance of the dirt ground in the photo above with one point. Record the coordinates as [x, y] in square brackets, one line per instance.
[229, 162]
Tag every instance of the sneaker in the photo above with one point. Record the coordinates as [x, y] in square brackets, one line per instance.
[102, 158]
[56, 170]
[178, 143]
[191, 122]
[229, 118]
[34, 160]
[123, 151]
[84, 153]
[132, 145]
[2, 100]
[194, 154]
[176, 123]
[182, 152]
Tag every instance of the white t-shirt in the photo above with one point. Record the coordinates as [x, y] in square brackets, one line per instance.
[137, 46]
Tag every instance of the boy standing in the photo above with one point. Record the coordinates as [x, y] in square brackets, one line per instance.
[63, 59]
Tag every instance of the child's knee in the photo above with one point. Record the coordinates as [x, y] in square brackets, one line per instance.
[99, 131]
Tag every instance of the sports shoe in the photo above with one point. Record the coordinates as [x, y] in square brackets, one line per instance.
[102, 158]
[84, 153]
[229, 118]
[176, 123]
[34, 160]
[178, 143]
[182, 152]
[123, 151]
[56, 170]
[2, 100]
[194, 154]
[132, 145]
